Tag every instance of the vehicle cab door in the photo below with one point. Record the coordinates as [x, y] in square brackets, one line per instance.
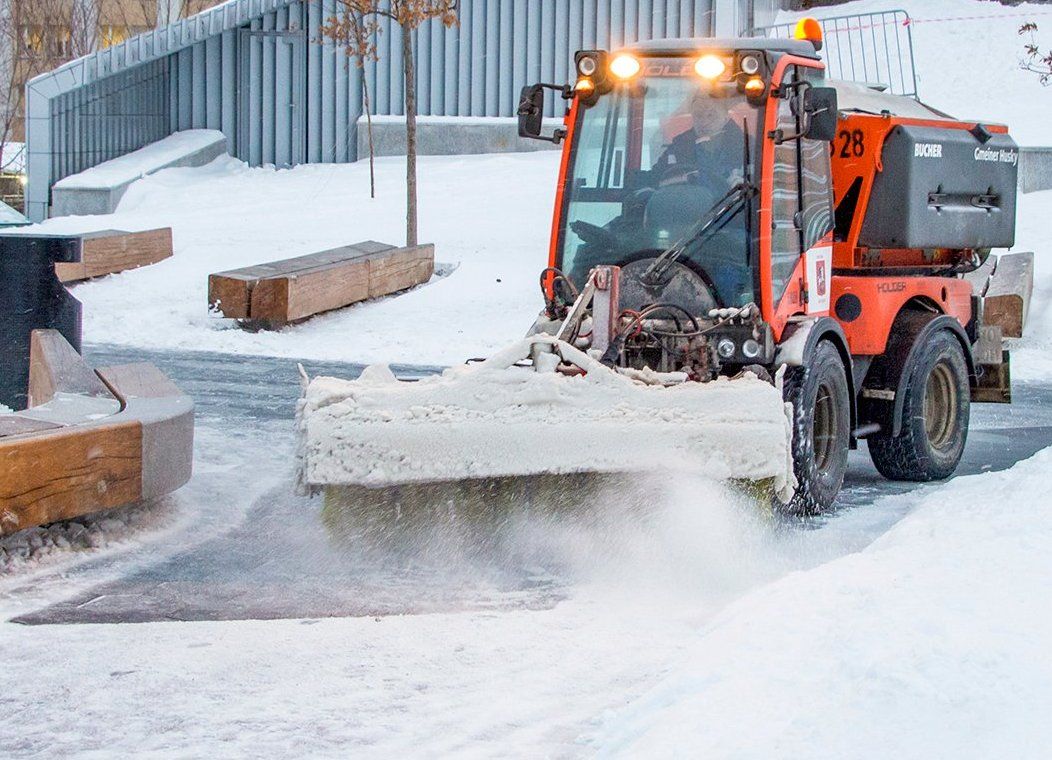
[799, 196]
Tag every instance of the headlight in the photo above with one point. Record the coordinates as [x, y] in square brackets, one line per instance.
[725, 348]
[710, 66]
[750, 64]
[585, 86]
[750, 349]
[624, 66]
[587, 65]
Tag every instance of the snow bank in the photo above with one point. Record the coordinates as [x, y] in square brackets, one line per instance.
[5, 409]
[488, 420]
[932, 642]
[37, 546]
[1032, 355]
[138, 163]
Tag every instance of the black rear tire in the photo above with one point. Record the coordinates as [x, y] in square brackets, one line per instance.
[935, 408]
[821, 404]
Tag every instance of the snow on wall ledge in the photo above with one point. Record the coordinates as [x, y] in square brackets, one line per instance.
[491, 419]
[99, 189]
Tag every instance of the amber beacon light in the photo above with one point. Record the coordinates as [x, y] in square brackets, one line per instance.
[810, 30]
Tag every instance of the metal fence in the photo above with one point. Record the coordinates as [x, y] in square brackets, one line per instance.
[874, 48]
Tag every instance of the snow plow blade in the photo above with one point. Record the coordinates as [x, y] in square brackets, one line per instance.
[477, 428]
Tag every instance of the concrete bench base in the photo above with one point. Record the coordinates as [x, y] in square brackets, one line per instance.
[447, 136]
[93, 439]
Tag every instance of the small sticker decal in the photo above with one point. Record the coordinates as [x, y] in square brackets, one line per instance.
[818, 271]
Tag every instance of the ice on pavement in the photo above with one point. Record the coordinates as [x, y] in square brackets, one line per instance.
[489, 419]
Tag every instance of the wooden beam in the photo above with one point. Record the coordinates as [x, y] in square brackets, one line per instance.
[111, 251]
[230, 293]
[103, 443]
[1007, 299]
[55, 366]
[138, 381]
[286, 291]
[73, 471]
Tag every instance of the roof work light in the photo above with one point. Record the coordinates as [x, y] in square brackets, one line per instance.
[710, 66]
[624, 66]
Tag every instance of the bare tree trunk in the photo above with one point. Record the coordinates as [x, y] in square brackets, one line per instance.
[410, 135]
[84, 27]
[369, 133]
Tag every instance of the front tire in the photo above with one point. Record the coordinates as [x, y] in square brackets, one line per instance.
[936, 408]
[821, 404]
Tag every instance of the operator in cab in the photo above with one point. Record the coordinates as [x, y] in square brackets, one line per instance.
[699, 145]
[652, 192]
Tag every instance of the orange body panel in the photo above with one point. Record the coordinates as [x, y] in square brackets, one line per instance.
[557, 219]
[864, 273]
[881, 299]
[776, 315]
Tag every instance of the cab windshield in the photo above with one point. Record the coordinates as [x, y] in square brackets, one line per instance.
[651, 158]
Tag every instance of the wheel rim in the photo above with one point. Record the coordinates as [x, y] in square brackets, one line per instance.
[824, 428]
[940, 402]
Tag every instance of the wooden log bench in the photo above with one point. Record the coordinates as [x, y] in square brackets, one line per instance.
[91, 440]
[280, 292]
[1006, 284]
[111, 251]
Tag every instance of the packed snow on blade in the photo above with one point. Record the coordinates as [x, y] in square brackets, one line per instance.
[563, 413]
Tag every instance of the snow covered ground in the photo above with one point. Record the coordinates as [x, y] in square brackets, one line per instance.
[931, 642]
[488, 215]
[967, 55]
[914, 627]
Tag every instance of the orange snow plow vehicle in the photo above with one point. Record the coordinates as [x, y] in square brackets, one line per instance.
[725, 212]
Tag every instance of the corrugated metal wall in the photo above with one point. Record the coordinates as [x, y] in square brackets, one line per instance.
[109, 118]
[474, 69]
[283, 96]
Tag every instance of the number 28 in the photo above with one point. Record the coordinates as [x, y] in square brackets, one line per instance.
[852, 143]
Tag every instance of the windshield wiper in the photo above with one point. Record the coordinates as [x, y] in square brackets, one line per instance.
[711, 222]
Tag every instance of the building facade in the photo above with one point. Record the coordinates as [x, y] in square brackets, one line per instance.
[259, 71]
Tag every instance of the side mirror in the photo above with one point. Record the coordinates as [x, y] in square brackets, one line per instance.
[531, 112]
[820, 107]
